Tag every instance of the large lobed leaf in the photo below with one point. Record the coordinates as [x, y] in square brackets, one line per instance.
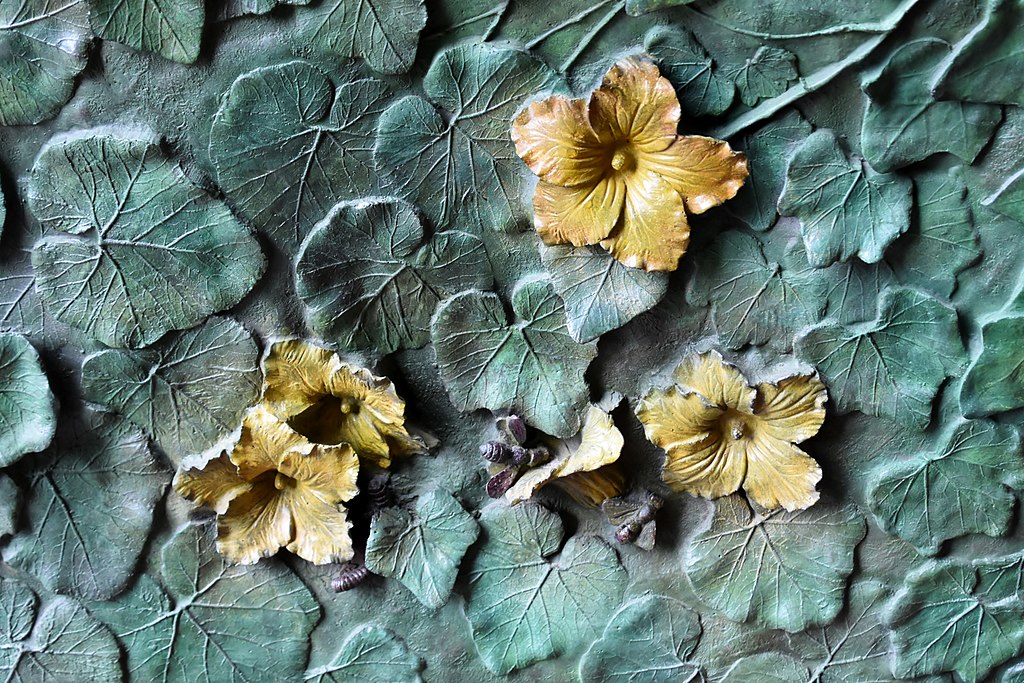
[995, 382]
[370, 654]
[702, 90]
[170, 28]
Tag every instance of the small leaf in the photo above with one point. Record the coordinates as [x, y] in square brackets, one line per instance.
[987, 65]
[960, 488]
[951, 616]
[893, 365]
[995, 382]
[649, 640]
[144, 251]
[756, 301]
[766, 667]
[532, 367]
[422, 552]
[28, 409]
[600, 293]
[170, 29]
[845, 207]
[10, 501]
[370, 279]
[370, 654]
[188, 391]
[288, 144]
[782, 570]
[60, 642]
[526, 605]
[93, 496]
[383, 32]
[452, 155]
[767, 74]
[635, 8]
[701, 89]
[207, 618]
[45, 47]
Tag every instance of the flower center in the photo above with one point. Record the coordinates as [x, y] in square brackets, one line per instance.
[623, 160]
[283, 481]
[734, 426]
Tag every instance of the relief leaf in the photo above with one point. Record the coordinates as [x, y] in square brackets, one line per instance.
[452, 155]
[45, 47]
[635, 8]
[600, 293]
[649, 640]
[782, 570]
[531, 366]
[422, 550]
[204, 615]
[10, 503]
[288, 143]
[893, 365]
[370, 279]
[904, 123]
[845, 207]
[28, 409]
[767, 667]
[987, 65]
[767, 74]
[995, 382]
[527, 601]
[370, 654]
[701, 88]
[140, 250]
[87, 520]
[959, 488]
[232, 9]
[188, 391]
[170, 28]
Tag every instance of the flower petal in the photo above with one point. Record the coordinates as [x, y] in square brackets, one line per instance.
[719, 383]
[321, 530]
[554, 139]
[255, 525]
[653, 234]
[779, 473]
[578, 215]
[792, 409]
[699, 460]
[703, 170]
[294, 376]
[263, 442]
[214, 485]
[328, 471]
[635, 105]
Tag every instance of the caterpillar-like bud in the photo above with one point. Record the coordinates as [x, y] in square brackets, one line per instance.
[496, 451]
[502, 482]
[349, 576]
[512, 429]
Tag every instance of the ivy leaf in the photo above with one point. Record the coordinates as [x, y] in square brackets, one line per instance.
[46, 44]
[60, 642]
[903, 123]
[28, 409]
[370, 279]
[766, 667]
[93, 495]
[635, 8]
[600, 293]
[952, 616]
[701, 89]
[383, 32]
[452, 155]
[526, 605]
[845, 207]
[20, 310]
[647, 641]
[188, 391]
[10, 501]
[767, 74]
[370, 654]
[944, 240]
[232, 9]
[768, 151]
[288, 144]
[893, 365]
[854, 288]
[987, 65]
[756, 301]
[960, 488]
[170, 29]
[207, 616]
[532, 367]
[782, 570]
[995, 382]
[143, 252]
[422, 551]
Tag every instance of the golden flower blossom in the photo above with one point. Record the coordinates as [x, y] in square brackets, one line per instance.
[331, 402]
[276, 489]
[721, 434]
[614, 171]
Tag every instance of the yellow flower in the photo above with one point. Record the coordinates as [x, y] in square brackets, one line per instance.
[276, 489]
[331, 402]
[721, 434]
[613, 171]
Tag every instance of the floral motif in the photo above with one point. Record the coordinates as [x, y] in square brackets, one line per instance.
[331, 402]
[276, 489]
[614, 171]
[722, 434]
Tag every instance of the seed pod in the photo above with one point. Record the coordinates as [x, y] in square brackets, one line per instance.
[496, 451]
[349, 576]
[512, 429]
[502, 481]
